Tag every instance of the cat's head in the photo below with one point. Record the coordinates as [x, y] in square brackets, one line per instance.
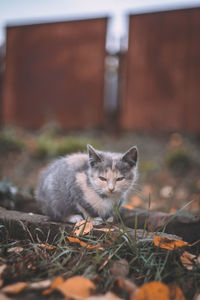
[112, 174]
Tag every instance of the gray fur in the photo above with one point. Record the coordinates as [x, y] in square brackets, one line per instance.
[72, 186]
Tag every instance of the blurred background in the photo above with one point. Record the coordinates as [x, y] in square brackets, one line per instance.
[112, 74]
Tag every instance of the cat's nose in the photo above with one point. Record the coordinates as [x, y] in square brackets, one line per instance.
[111, 188]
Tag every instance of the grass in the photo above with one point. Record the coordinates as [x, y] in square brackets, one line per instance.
[53, 146]
[10, 141]
[146, 261]
[48, 143]
[178, 160]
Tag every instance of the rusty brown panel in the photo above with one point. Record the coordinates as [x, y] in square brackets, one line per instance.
[162, 73]
[55, 72]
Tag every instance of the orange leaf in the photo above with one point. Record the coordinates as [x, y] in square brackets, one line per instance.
[167, 243]
[15, 288]
[46, 246]
[76, 240]
[128, 206]
[55, 283]
[83, 227]
[175, 292]
[153, 291]
[78, 288]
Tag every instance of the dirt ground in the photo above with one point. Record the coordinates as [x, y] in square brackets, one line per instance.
[169, 168]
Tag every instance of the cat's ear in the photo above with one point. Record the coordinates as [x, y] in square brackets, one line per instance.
[93, 156]
[131, 156]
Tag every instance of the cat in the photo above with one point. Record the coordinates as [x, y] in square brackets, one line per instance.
[87, 185]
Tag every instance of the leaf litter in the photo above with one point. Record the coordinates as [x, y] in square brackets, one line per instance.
[121, 263]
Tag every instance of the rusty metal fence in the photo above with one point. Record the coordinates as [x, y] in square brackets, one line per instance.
[55, 72]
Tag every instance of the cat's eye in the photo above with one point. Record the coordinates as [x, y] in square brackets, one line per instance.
[119, 178]
[102, 178]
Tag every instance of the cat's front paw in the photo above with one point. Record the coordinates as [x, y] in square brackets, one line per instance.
[110, 219]
[74, 219]
[96, 221]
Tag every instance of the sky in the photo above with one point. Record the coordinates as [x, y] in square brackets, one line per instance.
[14, 12]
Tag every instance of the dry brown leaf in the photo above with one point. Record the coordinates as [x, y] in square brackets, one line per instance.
[78, 288]
[188, 260]
[46, 246]
[153, 290]
[107, 296]
[167, 243]
[82, 227]
[120, 268]
[105, 229]
[175, 292]
[3, 297]
[16, 250]
[14, 288]
[129, 286]
[76, 240]
[56, 282]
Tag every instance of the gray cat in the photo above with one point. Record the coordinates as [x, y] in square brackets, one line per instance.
[85, 186]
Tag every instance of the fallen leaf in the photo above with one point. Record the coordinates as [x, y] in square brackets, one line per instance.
[120, 268]
[55, 283]
[16, 250]
[78, 288]
[107, 296]
[129, 286]
[14, 288]
[82, 227]
[175, 292]
[167, 243]
[153, 290]
[105, 229]
[44, 284]
[188, 260]
[128, 206]
[3, 297]
[46, 246]
[84, 244]
[135, 201]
